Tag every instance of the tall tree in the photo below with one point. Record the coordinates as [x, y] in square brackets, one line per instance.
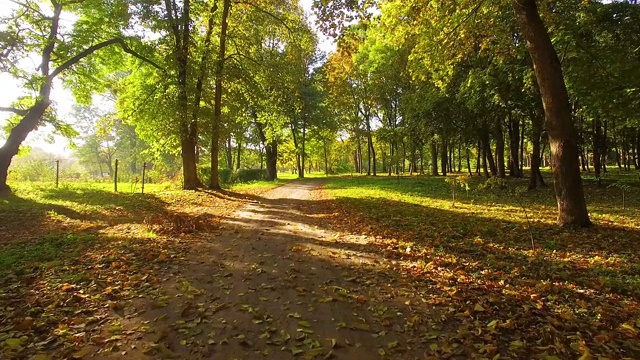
[59, 50]
[572, 208]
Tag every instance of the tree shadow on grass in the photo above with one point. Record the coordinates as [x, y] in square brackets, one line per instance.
[583, 256]
[33, 216]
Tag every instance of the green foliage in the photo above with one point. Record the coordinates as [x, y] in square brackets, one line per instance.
[625, 186]
[229, 176]
[248, 175]
[493, 184]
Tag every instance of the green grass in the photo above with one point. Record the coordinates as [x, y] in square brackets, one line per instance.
[48, 251]
[420, 211]
[313, 175]
[123, 187]
[254, 185]
[577, 284]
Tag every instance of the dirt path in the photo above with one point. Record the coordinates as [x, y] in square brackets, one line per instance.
[275, 282]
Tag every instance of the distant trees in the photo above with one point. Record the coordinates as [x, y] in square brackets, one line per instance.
[487, 80]
[191, 60]
[103, 139]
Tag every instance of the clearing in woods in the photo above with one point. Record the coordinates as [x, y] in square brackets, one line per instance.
[292, 272]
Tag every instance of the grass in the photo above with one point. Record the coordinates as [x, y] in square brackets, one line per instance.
[48, 251]
[480, 249]
[257, 185]
[471, 262]
[313, 175]
[123, 187]
[41, 223]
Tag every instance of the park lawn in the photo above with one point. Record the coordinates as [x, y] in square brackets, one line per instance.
[576, 295]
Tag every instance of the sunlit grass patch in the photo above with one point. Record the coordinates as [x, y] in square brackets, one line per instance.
[258, 185]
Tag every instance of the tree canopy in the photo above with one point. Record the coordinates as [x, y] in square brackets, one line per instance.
[412, 84]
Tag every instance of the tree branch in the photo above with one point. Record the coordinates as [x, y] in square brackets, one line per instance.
[37, 11]
[231, 56]
[467, 17]
[90, 50]
[267, 13]
[20, 112]
[172, 22]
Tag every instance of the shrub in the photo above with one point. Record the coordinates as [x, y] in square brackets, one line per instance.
[228, 176]
[247, 175]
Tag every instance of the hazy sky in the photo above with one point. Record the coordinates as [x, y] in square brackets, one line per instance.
[10, 91]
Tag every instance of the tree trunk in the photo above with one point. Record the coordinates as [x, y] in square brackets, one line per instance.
[28, 123]
[261, 157]
[484, 161]
[422, 158]
[187, 128]
[583, 161]
[271, 154]
[373, 153]
[469, 162]
[404, 157]
[605, 146]
[385, 167]
[500, 149]
[443, 160]
[572, 208]
[522, 127]
[459, 157]
[597, 145]
[480, 153]
[514, 146]
[189, 167]
[535, 177]
[302, 152]
[270, 149]
[391, 155]
[214, 182]
[326, 159]
[637, 152]
[239, 152]
[450, 158]
[359, 156]
[229, 153]
[488, 156]
[434, 158]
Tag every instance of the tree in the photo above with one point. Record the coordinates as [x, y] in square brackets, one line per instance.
[59, 51]
[467, 51]
[572, 209]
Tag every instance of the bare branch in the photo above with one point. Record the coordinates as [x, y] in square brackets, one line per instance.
[467, 17]
[90, 50]
[172, 22]
[29, 7]
[20, 112]
[267, 13]
[231, 56]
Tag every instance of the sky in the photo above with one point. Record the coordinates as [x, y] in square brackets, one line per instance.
[63, 100]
